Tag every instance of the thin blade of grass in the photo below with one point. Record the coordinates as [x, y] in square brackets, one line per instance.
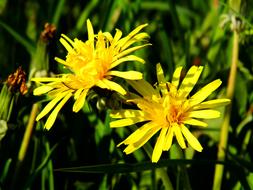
[58, 12]
[28, 45]
[139, 167]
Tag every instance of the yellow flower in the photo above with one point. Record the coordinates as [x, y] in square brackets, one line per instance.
[168, 108]
[90, 63]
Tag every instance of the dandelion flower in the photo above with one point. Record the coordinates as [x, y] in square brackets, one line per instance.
[168, 108]
[91, 63]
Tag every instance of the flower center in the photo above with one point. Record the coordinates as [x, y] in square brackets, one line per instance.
[175, 115]
[175, 109]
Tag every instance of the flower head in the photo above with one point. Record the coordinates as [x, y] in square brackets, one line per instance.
[168, 108]
[91, 63]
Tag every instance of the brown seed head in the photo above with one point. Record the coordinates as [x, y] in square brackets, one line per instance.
[17, 82]
[48, 33]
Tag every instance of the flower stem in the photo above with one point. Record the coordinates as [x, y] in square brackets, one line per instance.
[28, 133]
[161, 172]
[225, 127]
[25, 143]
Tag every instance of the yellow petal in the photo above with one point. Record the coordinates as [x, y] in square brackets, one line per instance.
[108, 36]
[68, 39]
[176, 77]
[51, 119]
[62, 61]
[126, 122]
[190, 80]
[195, 122]
[137, 37]
[42, 90]
[143, 87]
[117, 61]
[138, 134]
[205, 114]
[179, 136]
[55, 92]
[129, 50]
[117, 36]
[90, 32]
[132, 147]
[212, 104]
[126, 113]
[159, 74]
[193, 141]
[50, 105]
[80, 101]
[78, 93]
[131, 75]
[168, 139]
[204, 92]
[159, 145]
[107, 84]
[122, 42]
[66, 45]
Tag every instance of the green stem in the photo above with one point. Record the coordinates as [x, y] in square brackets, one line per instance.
[161, 172]
[24, 145]
[225, 127]
[28, 133]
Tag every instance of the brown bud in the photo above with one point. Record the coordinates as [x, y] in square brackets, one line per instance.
[17, 82]
[48, 33]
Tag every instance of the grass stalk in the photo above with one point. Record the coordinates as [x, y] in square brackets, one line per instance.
[161, 172]
[25, 143]
[28, 133]
[225, 127]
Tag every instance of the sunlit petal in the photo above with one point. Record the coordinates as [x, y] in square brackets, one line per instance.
[195, 122]
[126, 58]
[51, 119]
[132, 147]
[126, 113]
[159, 74]
[138, 134]
[204, 92]
[50, 105]
[168, 139]
[131, 75]
[179, 136]
[176, 76]
[193, 141]
[111, 86]
[204, 114]
[42, 90]
[126, 122]
[143, 87]
[159, 145]
[80, 101]
[190, 80]
[212, 104]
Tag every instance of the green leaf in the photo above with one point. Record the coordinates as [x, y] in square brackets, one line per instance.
[28, 45]
[3, 129]
[85, 14]
[58, 12]
[241, 94]
[5, 170]
[139, 167]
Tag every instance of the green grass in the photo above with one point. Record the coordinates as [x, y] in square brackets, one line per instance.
[80, 151]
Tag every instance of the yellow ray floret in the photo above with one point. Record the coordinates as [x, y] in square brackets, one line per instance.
[168, 108]
[90, 64]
